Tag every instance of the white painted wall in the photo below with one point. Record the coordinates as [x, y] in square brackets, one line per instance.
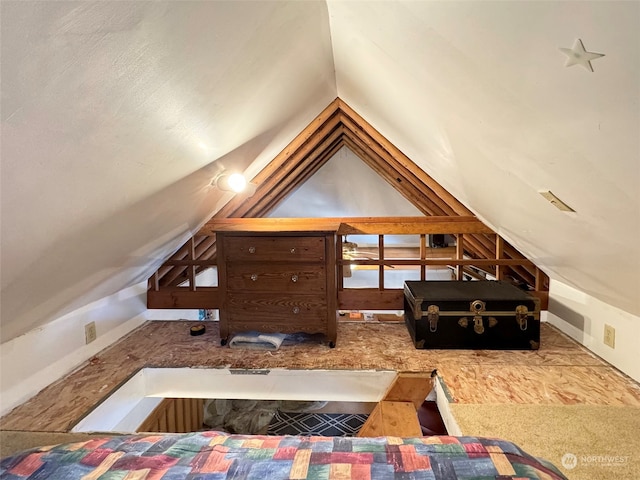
[172, 314]
[477, 95]
[32, 361]
[120, 117]
[583, 318]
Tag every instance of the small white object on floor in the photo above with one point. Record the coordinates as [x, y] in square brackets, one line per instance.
[257, 340]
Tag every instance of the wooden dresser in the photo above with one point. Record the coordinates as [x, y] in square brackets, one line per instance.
[275, 280]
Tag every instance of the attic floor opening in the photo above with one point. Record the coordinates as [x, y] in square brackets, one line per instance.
[128, 408]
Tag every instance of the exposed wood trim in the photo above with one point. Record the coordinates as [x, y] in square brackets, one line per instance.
[542, 280]
[336, 126]
[305, 135]
[309, 171]
[412, 226]
[371, 298]
[398, 419]
[423, 255]
[175, 415]
[429, 181]
[197, 261]
[424, 199]
[544, 298]
[403, 180]
[499, 255]
[380, 262]
[437, 261]
[174, 274]
[279, 185]
[340, 266]
[184, 298]
[410, 387]
[283, 164]
[459, 256]
[272, 225]
[350, 225]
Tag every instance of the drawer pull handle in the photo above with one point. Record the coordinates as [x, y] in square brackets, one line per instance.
[294, 278]
[296, 310]
[252, 249]
[293, 250]
[254, 277]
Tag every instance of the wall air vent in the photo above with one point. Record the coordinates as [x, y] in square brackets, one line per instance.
[555, 201]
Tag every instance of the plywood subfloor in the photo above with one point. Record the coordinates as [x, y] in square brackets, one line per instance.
[560, 373]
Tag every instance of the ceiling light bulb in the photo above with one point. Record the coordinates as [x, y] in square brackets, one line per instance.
[237, 182]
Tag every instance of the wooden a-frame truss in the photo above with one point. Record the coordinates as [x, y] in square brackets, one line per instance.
[336, 126]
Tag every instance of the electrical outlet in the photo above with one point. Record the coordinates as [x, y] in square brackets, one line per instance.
[610, 336]
[90, 332]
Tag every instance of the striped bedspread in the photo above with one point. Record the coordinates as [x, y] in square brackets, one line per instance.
[216, 456]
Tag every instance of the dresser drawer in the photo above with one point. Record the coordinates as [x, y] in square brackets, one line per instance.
[279, 309]
[261, 277]
[274, 249]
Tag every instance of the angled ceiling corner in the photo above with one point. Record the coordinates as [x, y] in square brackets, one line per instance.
[336, 126]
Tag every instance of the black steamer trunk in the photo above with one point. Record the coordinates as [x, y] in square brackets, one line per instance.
[492, 315]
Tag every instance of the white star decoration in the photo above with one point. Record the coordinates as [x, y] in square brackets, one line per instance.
[577, 55]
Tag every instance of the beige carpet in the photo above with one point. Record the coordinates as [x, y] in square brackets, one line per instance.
[14, 441]
[605, 440]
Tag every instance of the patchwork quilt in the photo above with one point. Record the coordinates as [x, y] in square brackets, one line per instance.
[215, 456]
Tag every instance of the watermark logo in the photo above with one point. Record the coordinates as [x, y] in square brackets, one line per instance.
[571, 461]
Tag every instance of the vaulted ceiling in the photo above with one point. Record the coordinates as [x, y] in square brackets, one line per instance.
[115, 117]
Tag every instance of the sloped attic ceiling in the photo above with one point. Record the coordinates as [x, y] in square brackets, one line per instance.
[115, 117]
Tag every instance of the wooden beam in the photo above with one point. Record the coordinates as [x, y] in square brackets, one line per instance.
[424, 199]
[310, 131]
[286, 179]
[184, 298]
[541, 280]
[543, 296]
[381, 259]
[396, 419]
[459, 256]
[334, 127]
[340, 267]
[499, 255]
[439, 261]
[410, 387]
[403, 180]
[272, 225]
[442, 193]
[350, 225]
[371, 299]
[411, 225]
[311, 164]
[174, 273]
[287, 160]
[423, 255]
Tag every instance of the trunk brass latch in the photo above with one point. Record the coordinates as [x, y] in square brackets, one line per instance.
[478, 327]
[477, 307]
[433, 313]
[522, 312]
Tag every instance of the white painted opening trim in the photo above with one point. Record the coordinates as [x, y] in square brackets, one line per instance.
[126, 408]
